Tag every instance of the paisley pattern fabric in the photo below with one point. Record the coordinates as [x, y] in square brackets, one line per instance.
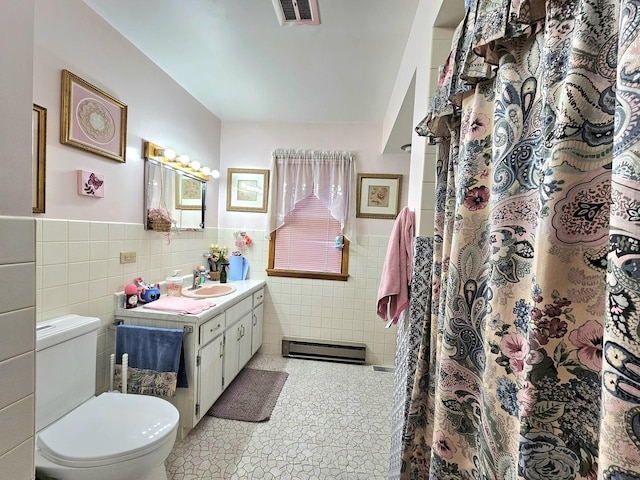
[147, 382]
[406, 357]
[408, 340]
[529, 366]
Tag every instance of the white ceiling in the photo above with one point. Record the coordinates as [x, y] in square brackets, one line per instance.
[240, 63]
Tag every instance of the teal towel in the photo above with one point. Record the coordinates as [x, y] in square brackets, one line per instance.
[158, 349]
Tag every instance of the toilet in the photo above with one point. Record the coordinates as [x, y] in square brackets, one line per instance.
[80, 436]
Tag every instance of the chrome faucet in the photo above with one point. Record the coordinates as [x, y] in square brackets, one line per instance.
[197, 275]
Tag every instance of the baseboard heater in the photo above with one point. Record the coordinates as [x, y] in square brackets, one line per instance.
[318, 350]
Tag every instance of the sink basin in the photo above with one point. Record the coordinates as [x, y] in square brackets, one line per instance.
[207, 292]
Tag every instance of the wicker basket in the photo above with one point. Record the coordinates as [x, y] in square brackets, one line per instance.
[161, 225]
[214, 275]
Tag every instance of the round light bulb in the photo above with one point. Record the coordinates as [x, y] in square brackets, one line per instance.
[195, 165]
[169, 154]
[215, 173]
[205, 171]
[184, 159]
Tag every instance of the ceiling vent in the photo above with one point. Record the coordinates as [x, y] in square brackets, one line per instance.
[297, 12]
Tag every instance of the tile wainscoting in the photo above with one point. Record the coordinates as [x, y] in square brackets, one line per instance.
[78, 269]
[17, 344]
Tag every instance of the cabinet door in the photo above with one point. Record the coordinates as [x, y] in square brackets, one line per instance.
[231, 351]
[244, 351]
[209, 374]
[256, 335]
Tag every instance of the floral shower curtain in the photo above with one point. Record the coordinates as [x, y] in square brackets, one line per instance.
[529, 366]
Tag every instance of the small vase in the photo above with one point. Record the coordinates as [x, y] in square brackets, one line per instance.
[215, 275]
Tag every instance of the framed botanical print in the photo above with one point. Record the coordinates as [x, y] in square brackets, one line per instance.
[247, 190]
[378, 195]
[188, 193]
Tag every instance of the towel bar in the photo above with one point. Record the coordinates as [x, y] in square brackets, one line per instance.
[185, 328]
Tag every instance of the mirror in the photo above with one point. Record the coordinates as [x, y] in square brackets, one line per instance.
[174, 197]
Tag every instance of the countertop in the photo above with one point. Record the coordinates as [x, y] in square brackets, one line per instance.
[243, 289]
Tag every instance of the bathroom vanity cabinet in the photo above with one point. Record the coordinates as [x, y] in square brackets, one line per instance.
[237, 339]
[217, 344]
[258, 320]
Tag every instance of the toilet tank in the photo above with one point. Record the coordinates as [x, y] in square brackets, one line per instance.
[66, 350]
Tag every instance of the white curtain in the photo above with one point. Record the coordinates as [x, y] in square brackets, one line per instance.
[330, 176]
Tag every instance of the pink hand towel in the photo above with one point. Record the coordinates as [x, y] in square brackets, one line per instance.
[179, 305]
[393, 292]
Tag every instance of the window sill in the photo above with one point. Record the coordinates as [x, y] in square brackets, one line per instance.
[341, 277]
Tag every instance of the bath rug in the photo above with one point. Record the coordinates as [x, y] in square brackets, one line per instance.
[251, 396]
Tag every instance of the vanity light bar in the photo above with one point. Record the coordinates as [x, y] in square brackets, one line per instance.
[157, 153]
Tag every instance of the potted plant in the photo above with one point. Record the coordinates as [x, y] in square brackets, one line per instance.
[217, 257]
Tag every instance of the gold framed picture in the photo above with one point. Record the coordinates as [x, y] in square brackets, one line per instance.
[378, 195]
[92, 119]
[247, 190]
[38, 155]
[188, 193]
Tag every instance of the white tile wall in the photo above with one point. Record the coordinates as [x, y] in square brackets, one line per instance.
[13, 373]
[17, 363]
[18, 423]
[16, 463]
[328, 310]
[440, 48]
[79, 269]
[20, 324]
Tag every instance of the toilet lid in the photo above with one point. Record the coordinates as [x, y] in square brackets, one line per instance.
[109, 428]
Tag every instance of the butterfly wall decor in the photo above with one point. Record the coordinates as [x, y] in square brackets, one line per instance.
[90, 184]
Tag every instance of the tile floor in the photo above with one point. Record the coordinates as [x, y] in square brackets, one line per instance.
[331, 421]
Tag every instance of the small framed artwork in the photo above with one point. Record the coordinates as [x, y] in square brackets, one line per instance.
[90, 184]
[378, 195]
[38, 151]
[247, 190]
[92, 119]
[188, 193]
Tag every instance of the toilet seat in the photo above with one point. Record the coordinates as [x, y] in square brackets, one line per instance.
[108, 429]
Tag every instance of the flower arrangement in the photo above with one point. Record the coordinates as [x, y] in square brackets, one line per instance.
[241, 241]
[160, 219]
[217, 256]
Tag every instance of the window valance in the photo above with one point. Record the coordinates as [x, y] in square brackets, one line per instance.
[329, 175]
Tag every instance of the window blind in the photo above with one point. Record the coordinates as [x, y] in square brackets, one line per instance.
[307, 239]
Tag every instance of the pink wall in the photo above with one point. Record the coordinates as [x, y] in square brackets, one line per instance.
[69, 35]
[249, 145]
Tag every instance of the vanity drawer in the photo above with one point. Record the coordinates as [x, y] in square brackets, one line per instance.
[236, 311]
[211, 329]
[258, 297]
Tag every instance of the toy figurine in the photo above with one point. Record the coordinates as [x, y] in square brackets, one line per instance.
[131, 294]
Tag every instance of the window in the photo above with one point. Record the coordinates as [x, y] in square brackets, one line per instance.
[305, 246]
[311, 214]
